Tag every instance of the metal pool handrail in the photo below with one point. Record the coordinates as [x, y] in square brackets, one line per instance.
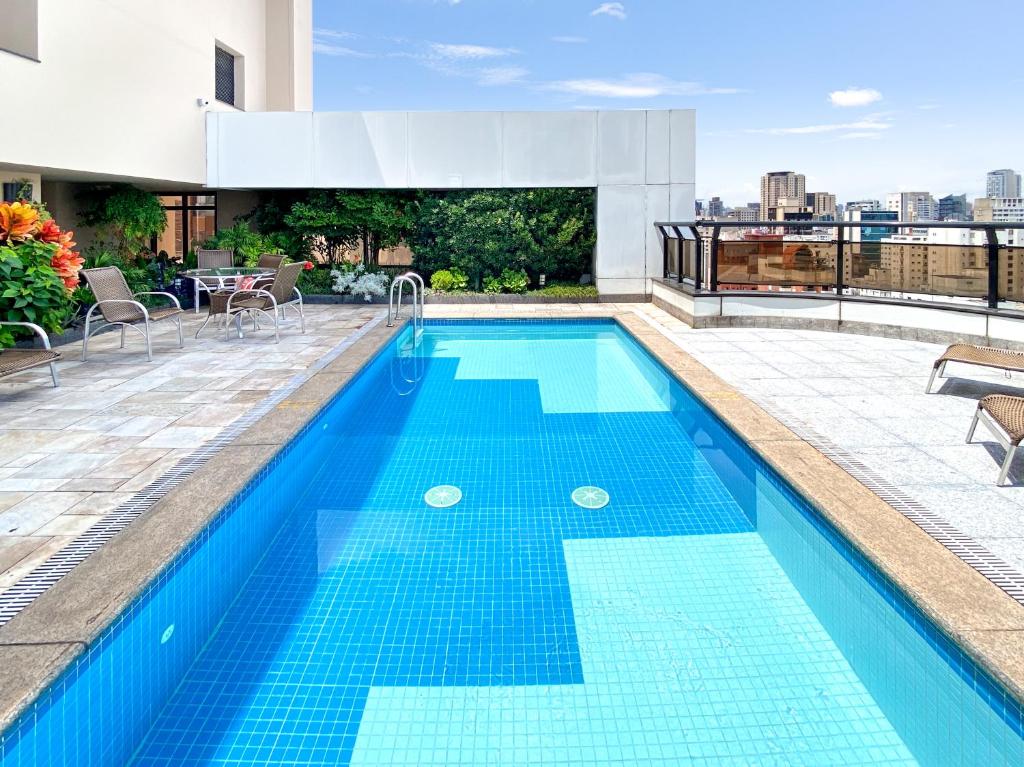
[394, 308]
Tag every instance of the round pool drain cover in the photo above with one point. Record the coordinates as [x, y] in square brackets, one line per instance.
[442, 496]
[590, 497]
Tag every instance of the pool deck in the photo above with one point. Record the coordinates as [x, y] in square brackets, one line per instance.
[861, 395]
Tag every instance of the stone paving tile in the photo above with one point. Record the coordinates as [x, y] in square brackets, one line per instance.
[70, 455]
[874, 406]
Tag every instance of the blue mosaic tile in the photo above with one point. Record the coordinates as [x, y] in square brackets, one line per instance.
[329, 583]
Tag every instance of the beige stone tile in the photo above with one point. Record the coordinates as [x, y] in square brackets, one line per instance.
[18, 484]
[9, 499]
[100, 503]
[93, 484]
[127, 465]
[220, 414]
[154, 471]
[14, 548]
[23, 460]
[63, 466]
[142, 426]
[69, 524]
[27, 564]
[28, 516]
[181, 437]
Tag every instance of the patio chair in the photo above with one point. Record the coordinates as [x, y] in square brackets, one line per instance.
[984, 356]
[119, 306]
[210, 259]
[17, 360]
[1003, 415]
[269, 302]
[270, 261]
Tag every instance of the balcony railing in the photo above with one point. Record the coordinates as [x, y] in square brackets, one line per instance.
[891, 259]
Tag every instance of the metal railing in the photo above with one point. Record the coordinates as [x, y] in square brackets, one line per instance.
[895, 259]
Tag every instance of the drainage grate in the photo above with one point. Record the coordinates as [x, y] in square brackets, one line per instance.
[1003, 575]
[26, 590]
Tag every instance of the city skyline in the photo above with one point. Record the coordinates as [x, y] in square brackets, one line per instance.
[842, 114]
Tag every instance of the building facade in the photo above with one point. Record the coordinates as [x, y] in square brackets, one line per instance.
[913, 206]
[999, 209]
[781, 184]
[139, 78]
[1004, 182]
[954, 207]
[822, 204]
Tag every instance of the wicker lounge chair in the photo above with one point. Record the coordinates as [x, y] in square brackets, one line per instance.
[270, 301]
[17, 360]
[969, 354]
[119, 306]
[1003, 415]
[210, 259]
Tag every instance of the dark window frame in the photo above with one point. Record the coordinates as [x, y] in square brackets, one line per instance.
[186, 208]
[219, 60]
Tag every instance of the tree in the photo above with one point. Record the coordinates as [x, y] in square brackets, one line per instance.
[336, 221]
[126, 217]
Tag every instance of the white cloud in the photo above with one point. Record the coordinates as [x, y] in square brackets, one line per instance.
[327, 49]
[869, 124]
[501, 75]
[448, 51]
[860, 135]
[854, 97]
[637, 86]
[335, 33]
[569, 39]
[615, 10]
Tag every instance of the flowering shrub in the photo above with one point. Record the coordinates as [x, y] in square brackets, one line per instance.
[356, 281]
[38, 268]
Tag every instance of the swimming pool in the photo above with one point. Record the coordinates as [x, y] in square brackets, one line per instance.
[687, 608]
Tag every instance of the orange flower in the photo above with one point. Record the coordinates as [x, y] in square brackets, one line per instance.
[49, 231]
[18, 221]
[67, 263]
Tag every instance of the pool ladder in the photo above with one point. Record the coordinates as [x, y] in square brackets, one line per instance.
[407, 357]
[415, 283]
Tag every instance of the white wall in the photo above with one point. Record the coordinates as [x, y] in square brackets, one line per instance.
[114, 91]
[641, 162]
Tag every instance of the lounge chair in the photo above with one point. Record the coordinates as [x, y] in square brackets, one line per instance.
[969, 354]
[17, 360]
[270, 301]
[1003, 415]
[119, 306]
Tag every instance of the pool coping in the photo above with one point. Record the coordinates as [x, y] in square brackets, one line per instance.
[47, 636]
[42, 641]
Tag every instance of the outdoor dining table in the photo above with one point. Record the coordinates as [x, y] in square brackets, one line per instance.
[221, 278]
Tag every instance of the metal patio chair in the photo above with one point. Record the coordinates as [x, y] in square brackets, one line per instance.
[17, 360]
[1003, 415]
[210, 259]
[270, 301]
[119, 306]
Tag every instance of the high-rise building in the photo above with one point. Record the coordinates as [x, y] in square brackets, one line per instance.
[822, 205]
[954, 207]
[913, 206]
[716, 208]
[864, 205]
[778, 184]
[1004, 182]
[749, 212]
[999, 209]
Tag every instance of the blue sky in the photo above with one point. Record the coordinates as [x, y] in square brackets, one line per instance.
[864, 98]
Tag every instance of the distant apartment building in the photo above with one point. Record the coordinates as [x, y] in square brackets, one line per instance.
[1004, 182]
[913, 206]
[716, 208]
[864, 205]
[749, 212]
[781, 184]
[999, 209]
[954, 207]
[822, 205]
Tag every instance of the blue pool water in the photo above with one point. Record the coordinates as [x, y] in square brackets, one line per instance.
[703, 616]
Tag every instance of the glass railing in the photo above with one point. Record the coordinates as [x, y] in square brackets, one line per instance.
[979, 263]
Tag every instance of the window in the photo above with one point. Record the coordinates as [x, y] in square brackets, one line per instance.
[191, 220]
[19, 32]
[224, 74]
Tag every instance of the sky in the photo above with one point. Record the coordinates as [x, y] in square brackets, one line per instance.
[863, 98]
